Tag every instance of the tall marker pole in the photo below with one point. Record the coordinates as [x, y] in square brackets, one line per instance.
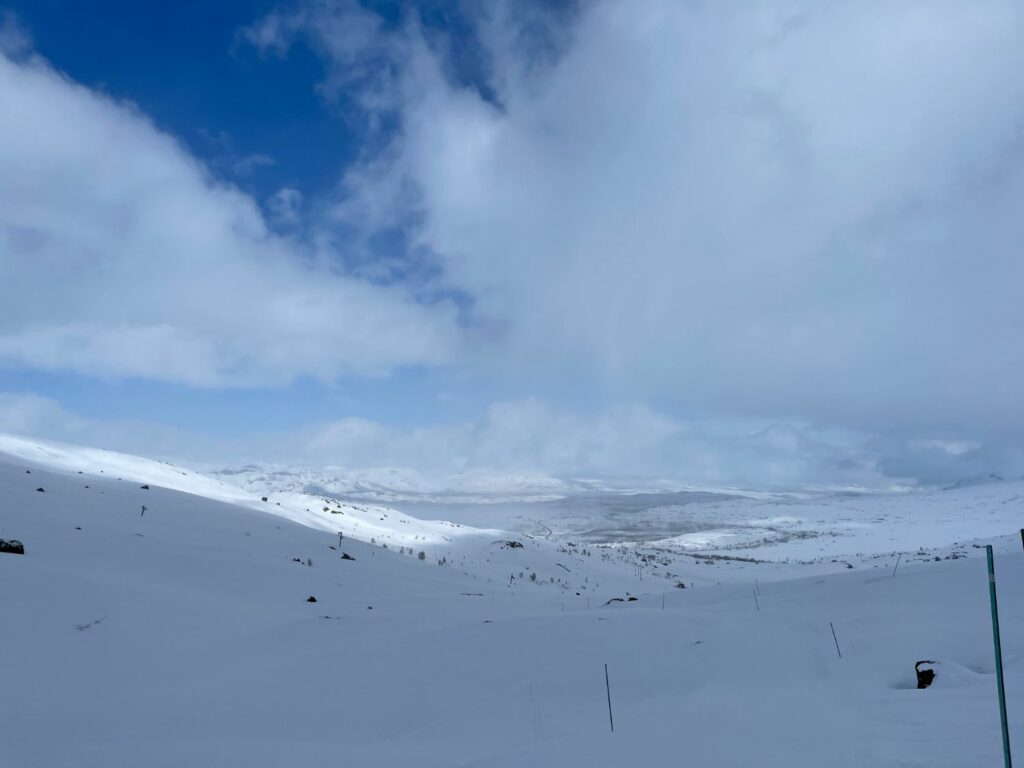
[999, 656]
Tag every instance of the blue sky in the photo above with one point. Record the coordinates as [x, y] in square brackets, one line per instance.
[762, 245]
[182, 64]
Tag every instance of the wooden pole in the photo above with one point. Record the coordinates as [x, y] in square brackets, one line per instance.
[897, 563]
[756, 603]
[999, 656]
[836, 640]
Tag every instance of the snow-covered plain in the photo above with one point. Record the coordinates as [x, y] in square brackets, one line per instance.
[183, 636]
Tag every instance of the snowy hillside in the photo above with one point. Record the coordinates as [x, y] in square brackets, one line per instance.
[360, 521]
[184, 635]
[389, 484]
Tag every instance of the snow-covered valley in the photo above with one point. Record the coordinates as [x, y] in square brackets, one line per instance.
[183, 634]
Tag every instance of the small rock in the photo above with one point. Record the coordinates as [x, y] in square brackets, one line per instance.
[310, 599]
[346, 556]
[263, 498]
[40, 490]
[144, 487]
[12, 547]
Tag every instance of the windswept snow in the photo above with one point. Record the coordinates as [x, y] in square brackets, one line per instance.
[183, 636]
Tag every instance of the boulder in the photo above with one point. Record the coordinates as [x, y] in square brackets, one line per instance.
[12, 547]
[925, 673]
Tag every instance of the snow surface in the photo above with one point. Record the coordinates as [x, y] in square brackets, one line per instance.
[183, 636]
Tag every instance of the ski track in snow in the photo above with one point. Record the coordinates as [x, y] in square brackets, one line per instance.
[183, 636]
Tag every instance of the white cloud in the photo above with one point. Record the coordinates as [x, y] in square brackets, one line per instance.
[515, 437]
[789, 210]
[120, 256]
[802, 215]
[285, 206]
[30, 415]
[531, 437]
[631, 441]
[15, 40]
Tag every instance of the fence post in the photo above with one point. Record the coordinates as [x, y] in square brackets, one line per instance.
[999, 656]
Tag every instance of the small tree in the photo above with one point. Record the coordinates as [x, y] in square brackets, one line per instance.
[422, 555]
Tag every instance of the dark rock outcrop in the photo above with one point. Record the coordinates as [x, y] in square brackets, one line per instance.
[925, 675]
[12, 547]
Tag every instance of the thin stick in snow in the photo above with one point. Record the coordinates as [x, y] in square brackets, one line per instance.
[608, 689]
[756, 603]
[836, 640]
[900, 557]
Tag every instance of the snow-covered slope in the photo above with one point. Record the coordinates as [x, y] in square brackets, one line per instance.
[184, 637]
[387, 484]
[366, 522]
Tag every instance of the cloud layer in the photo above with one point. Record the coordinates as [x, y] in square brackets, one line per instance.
[121, 257]
[630, 444]
[788, 210]
[774, 242]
